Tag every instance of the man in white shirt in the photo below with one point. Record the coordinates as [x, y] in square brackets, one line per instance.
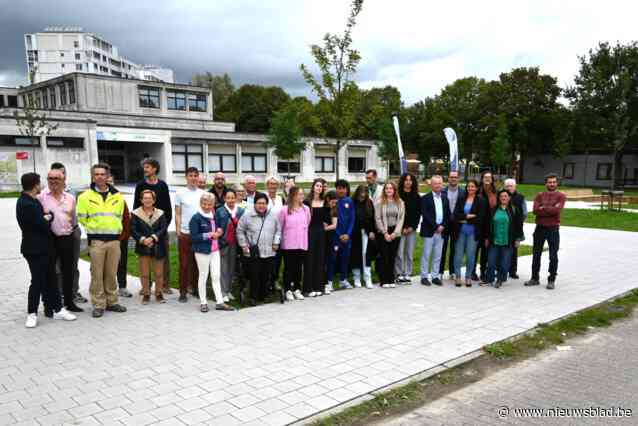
[275, 201]
[434, 221]
[250, 185]
[186, 205]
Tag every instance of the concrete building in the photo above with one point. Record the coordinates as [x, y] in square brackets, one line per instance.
[121, 121]
[590, 170]
[62, 50]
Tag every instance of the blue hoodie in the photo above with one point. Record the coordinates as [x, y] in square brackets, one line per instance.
[346, 213]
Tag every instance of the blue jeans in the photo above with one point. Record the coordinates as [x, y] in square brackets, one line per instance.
[498, 260]
[465, 246]
[339, 261]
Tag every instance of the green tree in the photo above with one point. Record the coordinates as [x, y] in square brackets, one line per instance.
[500, 147]
[33, 125]
[285, 133]
[252, 107]
[309, 120]
[221, 86]
[337, 62]
[605, 97]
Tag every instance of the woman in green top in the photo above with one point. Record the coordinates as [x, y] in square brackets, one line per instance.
[504, 233]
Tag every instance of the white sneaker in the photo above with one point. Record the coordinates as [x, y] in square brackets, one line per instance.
[385, 285]
[392, 285]
[289, 296]
[369, 284]
[65, 315]
[327, 289]
[32, 321]
[298, 295]
[357, 284]
[226, 299]
[345, 285]
[231, 297]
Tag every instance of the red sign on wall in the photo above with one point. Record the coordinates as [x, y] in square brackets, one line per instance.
[22, 155]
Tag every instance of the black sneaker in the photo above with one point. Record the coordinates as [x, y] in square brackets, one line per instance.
[48, 312]
[116, 308]
[514, 276]
[72, 307]
[182, 298]
[80, 299]
[425, 281]
[550, 285]
[437, 281]
[498, 284]
[531, 282]
[475, 277]
[98, 313]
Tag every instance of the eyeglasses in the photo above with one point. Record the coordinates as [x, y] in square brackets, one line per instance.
[54, 178]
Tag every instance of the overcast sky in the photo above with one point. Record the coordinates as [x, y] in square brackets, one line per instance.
[418, 46]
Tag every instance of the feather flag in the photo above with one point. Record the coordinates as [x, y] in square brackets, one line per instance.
[450, 135]
[404, 162]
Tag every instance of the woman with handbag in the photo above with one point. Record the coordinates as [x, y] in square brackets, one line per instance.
[148, 229]
[258, 235]
[205, 239]
[294, 221]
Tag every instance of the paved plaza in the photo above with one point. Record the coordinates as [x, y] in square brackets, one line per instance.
[273, 364]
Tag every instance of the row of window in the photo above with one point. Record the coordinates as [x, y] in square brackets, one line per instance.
[185, 156]
[149, 97]
[52, 141]
[603, 171]
[47, 98]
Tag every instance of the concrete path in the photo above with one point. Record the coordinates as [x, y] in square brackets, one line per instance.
[274, 364]
[599, 372]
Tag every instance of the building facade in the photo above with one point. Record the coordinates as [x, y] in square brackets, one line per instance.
[122, 121]
[62, 50]
[589, 170]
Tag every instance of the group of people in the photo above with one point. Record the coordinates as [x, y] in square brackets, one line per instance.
[227, 236]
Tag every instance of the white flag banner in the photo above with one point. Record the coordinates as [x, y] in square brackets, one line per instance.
[450, 135]
[403, 161]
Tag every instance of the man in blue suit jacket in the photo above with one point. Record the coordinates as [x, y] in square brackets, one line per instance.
[453, 192]
[435, 219]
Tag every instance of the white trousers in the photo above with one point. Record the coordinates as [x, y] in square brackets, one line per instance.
[431, 247]
[209, 263]
[367, 273]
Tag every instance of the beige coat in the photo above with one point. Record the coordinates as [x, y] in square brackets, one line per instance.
[381, 219]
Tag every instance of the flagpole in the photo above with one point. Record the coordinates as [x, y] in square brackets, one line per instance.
[402, 160]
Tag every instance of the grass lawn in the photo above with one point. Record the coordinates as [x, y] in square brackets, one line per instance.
[598, 219]
[10, 194]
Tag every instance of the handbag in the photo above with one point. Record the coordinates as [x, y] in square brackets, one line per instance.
[254, 248]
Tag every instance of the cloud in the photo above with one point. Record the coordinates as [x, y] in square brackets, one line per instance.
[417, 46]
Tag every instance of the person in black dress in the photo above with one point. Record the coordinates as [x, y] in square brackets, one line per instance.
[314, 269]
[330, 264]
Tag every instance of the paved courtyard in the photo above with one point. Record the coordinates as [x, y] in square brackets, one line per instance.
[274, 364]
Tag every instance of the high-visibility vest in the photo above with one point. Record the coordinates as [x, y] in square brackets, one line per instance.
[101, 217]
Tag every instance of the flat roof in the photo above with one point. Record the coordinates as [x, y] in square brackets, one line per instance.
[110, 77]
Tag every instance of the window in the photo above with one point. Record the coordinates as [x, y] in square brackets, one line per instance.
[76, 44]
[62, 66]
[356, 165]
[45, 99]
[324, 164]
[62, 94]
[176, 100]
[30, 99]
[253, 163]
[149, 97]
[197, 102]
[12, 101]
[61, 54]
[78, 67]
[103, 58]
[24, 141]
[222, 163]
[52, 97]
[185, 156]
[568, 170]
[57, 142]
[603, 171]
[96, 55]
[77, 57]
[288, 167]
[1, 100]
[71, 92]
[37, 99]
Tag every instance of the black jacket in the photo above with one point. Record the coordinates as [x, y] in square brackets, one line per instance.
[412, 202]
[36, 231]
[162, 197]
[144, 227]
[220, 199]
[364, 217]
[516, 226]
[479, 208]
[428, 213]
